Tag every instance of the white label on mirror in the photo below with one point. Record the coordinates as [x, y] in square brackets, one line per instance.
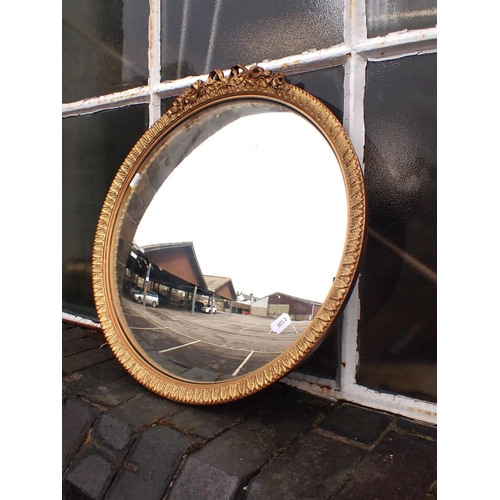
[280, 323]
[135, 180]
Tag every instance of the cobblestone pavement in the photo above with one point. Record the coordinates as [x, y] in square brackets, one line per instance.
[121, 441]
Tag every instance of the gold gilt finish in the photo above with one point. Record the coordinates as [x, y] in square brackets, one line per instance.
[241, 82]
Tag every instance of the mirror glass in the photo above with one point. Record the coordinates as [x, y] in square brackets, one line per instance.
[231, 239]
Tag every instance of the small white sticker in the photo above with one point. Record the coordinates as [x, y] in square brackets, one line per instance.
[280, 323]
[135, 180]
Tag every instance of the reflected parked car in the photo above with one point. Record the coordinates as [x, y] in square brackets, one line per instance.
[197, 305]
[152, 298]
[209, 309]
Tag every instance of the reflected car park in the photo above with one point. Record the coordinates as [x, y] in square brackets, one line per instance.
[203, 348]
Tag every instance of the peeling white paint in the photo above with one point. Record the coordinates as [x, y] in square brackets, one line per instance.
[355, 22]
[70, 318]
[354, 123]
[349, 342]
[154, 59]
[324, 387]
[310, 60]
[354, 96]
[401, 405]
[398, 44]
[139, 95]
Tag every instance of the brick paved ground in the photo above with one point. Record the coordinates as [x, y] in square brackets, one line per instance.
[122, 442]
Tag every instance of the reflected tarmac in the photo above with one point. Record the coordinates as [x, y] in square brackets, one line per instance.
[203, 347]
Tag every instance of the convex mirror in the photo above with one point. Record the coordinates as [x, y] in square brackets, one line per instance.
[230, 238]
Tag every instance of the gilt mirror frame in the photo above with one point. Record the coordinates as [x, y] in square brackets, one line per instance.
[239, 82]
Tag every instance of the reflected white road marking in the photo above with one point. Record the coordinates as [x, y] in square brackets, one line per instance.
[242, 364]
[247, 327]
[179, 346]
[157, 321]
[147, 328]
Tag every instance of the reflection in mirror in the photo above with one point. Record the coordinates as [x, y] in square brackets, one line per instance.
[231, 240]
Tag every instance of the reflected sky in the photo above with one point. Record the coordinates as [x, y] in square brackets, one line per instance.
[264, 203]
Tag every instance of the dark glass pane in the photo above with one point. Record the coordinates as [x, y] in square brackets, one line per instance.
[397, 330]
[104, 47]
[167, 103]
[383, 17]
[323, 362]
[93, 148]
[201, 35]
[325, 84]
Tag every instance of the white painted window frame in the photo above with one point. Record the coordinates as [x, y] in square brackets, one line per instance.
[354, 54]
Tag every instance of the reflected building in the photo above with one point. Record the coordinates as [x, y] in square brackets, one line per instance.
[278, 303]
[173, 271]
[222, 287]
[240, 308]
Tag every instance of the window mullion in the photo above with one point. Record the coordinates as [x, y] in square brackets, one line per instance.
[154, 60]
[354, 89]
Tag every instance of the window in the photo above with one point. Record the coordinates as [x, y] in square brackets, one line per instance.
[374, 66]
